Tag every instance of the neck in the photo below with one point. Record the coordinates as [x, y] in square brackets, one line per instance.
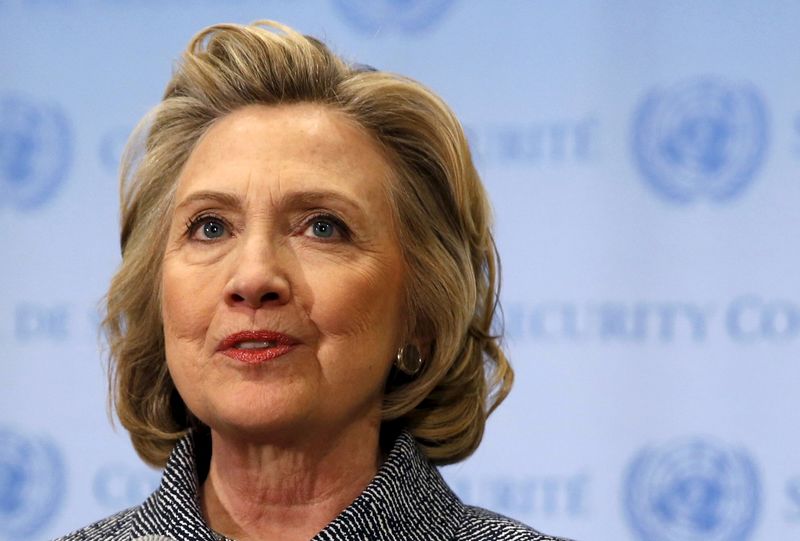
[286, 490]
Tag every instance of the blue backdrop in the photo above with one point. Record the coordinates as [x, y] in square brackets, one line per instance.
[642, 159]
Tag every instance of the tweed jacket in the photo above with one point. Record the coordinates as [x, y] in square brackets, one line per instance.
[407, 500]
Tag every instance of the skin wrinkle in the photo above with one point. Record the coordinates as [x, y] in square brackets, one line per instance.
[298, 435]
[368, 273]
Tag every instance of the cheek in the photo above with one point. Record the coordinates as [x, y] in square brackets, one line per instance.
[363, 300]
[357, 312]
[186, 309]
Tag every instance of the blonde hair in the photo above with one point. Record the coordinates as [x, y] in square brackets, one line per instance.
[441, 209]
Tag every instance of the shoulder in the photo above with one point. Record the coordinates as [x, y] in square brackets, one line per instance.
[113, 528]
[480, 524]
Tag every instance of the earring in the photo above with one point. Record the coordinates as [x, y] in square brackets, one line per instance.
[409, 359]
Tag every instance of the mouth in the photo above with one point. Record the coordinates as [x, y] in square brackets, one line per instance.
[255, 344]
[256, 347]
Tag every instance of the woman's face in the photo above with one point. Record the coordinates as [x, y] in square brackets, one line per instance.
[283, 278]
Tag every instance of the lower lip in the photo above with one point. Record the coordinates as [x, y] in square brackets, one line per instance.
[257, 356]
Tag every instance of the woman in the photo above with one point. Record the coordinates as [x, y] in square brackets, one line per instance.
[301, 324]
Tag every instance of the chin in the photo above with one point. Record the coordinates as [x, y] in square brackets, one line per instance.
[258, 416]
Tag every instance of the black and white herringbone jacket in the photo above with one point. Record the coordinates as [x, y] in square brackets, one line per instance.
[406, 501]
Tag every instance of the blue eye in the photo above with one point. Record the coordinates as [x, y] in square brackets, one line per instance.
[206, 228]
[323, 228]
[326, 228]
[213, 229]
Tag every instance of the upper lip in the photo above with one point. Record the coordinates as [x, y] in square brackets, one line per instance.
[256, 336]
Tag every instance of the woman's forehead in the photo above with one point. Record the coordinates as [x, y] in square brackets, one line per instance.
[311, 128]
[277, 151]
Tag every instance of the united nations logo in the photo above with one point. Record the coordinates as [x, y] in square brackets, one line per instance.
[31, 484]
[694, 490]
[34, 152]
[701, 139]
[407, 16]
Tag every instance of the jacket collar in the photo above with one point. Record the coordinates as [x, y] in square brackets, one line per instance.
[407, 499]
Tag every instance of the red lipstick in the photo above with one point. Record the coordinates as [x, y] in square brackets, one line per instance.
[255, 347]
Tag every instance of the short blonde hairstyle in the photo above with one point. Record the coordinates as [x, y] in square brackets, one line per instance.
[441, 211]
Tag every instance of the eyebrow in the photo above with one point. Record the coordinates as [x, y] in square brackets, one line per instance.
[292, 199]
[305, 198]
[223, 198]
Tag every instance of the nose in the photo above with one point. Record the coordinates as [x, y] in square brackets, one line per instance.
[259, 278]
